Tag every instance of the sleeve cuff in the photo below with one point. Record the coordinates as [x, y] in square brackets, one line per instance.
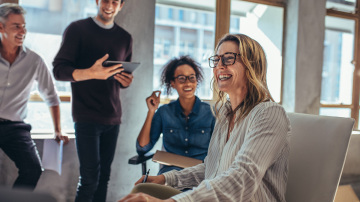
[169, 178]
[52, 101]
[142, 150]
[183, 197]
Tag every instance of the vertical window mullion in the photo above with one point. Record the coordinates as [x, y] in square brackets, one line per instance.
[356, 76]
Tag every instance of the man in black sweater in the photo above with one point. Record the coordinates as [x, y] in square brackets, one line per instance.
[96, 107]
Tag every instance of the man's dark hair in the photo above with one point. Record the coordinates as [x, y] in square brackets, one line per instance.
[9, 8]
[168, 71]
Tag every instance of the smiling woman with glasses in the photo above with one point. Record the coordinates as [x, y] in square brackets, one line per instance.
[182, 79]
[248, 153]
[187, 123]
[226, 59]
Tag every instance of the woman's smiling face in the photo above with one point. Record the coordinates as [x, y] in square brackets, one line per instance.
[231, 78]
[187, 89]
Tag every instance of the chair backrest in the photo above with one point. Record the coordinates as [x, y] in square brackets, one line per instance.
[17, 195]
[318, 149]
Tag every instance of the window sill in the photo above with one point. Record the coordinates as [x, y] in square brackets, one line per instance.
[35, 97]
[49, 135]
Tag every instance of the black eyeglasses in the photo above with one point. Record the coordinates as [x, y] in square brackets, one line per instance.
[182, 78]
[226, 59]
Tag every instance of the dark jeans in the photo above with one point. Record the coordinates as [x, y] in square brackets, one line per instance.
[16, 142]
[96, 145]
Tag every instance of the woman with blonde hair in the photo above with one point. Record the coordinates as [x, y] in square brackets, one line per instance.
[248, 153]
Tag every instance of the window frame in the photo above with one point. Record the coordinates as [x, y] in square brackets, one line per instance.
[222, 23]
[354, 106]
[35, 97]
[223, 17]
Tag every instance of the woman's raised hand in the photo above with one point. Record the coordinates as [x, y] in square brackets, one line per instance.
[153, 100]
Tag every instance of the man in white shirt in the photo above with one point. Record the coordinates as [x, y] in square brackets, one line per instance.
[19, 68]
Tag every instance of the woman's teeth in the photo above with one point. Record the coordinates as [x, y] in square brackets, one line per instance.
[224, 77]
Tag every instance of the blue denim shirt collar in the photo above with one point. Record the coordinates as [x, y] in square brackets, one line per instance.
[194, 110]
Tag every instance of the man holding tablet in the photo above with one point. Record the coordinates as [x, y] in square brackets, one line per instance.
[96, 107]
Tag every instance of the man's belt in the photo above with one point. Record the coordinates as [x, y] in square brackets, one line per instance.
[4, 120]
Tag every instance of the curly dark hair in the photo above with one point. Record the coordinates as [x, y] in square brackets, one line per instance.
[168, 70]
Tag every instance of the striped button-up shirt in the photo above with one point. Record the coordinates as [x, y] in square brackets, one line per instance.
[251, 166]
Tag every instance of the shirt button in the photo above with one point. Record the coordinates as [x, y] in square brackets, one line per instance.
[186, 152]
[186, 128]
[8, 84]
[188, 117]
[203, 131]
[171, 131]
[186, 139]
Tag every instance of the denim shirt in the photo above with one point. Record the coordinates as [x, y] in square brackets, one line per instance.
[186, 136]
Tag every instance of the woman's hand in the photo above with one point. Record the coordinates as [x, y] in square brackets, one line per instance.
[153, 101]
[160, 179]
[141, 197]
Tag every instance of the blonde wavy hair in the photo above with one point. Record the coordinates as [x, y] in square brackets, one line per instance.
[253, 58]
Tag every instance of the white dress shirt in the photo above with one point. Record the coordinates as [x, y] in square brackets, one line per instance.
[16, 81]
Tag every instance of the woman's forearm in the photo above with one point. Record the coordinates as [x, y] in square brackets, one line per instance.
[144, 135]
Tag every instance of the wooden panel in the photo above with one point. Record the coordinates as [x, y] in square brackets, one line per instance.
[341, 14]
[223, 10]
[222, 19]
[37, 98]
[345, 193]
[280, 3]
[335, 106]
[356, 76]
[9, 1]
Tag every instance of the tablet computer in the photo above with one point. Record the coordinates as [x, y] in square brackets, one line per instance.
[129, 67]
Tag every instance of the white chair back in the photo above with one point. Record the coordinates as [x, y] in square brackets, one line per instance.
[19, 195]
[318, 149]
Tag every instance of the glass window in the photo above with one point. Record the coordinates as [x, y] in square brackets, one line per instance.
[210, 19]
[338, 70]
[157, 12]
[203, 18]
[234, 23]
[167, 48]
[185, 36]
[265, 24]
[181, 15]
[192, 15]
[44, 38]
[40, 119]
[341, 5]
[341, 112]
[170, 13]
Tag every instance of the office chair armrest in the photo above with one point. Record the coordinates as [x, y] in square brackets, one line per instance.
[140, 159]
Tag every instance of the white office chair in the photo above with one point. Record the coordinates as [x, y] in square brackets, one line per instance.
[318, 149]
[18, 195]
